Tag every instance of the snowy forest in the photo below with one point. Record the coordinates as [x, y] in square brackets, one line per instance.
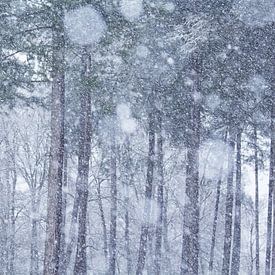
[137, 137]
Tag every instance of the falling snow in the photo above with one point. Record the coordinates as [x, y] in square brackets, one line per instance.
[131, 9]
[137, 137]
[85, 25]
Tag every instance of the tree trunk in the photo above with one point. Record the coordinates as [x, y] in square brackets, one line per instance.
[271, 191]
[34, 235]
[149, 263]
[160, 199]
[190, 244]
[103, 221]
[166, 260]
[269, 222]
[54, 210]
[72, 232]
[235, 268]
[8, 205]
[251, 250]
[216, 213]
[128, 176]
[113, 223]
[215, 221]
[148, 196]
[228, 207]
[190, 236]
[256, 167]
[272, 164]
[127, 240]
[12, 216]
[3, 223]
[80, 266]
[64, 206]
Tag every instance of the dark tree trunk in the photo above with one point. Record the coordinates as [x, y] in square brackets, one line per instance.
[269, 223]
[235, 268]
[128, 176]
[103, 221]
[127, 243]
[148, 196]
[166, 260]
[12, 214]
[54, 211]
[273, 143]
[34, 270]
[216, 213]
[149, 262]
[64, 206]
[160, 199]
[113, 223]
[190, 240]
[3, 223]
[7, 212]
[80, 266]
[256, 168]
[271, 191]
[72, 232]
[272, 168]
[251, 250]
[228, 207]
[215, 221]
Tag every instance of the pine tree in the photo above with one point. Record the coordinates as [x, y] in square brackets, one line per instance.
[54, 216]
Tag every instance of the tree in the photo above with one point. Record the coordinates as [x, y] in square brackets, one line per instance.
[215, 220]
[160, 195]
[54, 216]
[235, 268]
[256, 167]
[148, 193]
[83, 168]
[190, 241]
[229, 204]
[137, 181]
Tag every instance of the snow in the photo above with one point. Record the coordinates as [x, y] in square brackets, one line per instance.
[248, 179]
[213, 101]
[127, 123]
[22, 57]
[142, 51]
[188, 82]
[213, 154]
[123, 110]
[131, 9]
[197, 96]
[170, 7]
[146, 51]
[257, 84]
[22, 186]
[255, 12]
[170, 61]
[85, 26]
